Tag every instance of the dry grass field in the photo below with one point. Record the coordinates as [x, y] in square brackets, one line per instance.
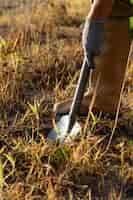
[40, 59]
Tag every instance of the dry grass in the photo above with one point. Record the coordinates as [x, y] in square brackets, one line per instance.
[40, 52]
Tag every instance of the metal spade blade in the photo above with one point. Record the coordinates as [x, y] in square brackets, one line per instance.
[60, 132]
[68, 126]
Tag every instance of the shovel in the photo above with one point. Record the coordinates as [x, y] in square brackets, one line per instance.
[68, 128]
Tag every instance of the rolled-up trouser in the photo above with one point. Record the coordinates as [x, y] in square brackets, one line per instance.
[111, 65]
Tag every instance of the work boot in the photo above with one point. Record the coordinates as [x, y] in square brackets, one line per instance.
[64, 106]
[110, 68]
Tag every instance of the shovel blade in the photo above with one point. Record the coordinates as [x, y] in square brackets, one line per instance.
[59, 133]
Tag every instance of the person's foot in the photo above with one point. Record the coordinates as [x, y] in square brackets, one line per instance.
[105, 106]
[63, 107]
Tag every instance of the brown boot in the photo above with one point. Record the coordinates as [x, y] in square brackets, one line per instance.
[111, 67]
[64, 106]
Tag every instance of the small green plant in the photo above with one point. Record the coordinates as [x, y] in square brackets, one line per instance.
[59, 156]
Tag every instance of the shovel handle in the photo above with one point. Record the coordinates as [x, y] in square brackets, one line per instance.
[87, 66]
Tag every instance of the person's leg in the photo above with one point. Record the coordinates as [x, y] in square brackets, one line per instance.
[111, 66]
